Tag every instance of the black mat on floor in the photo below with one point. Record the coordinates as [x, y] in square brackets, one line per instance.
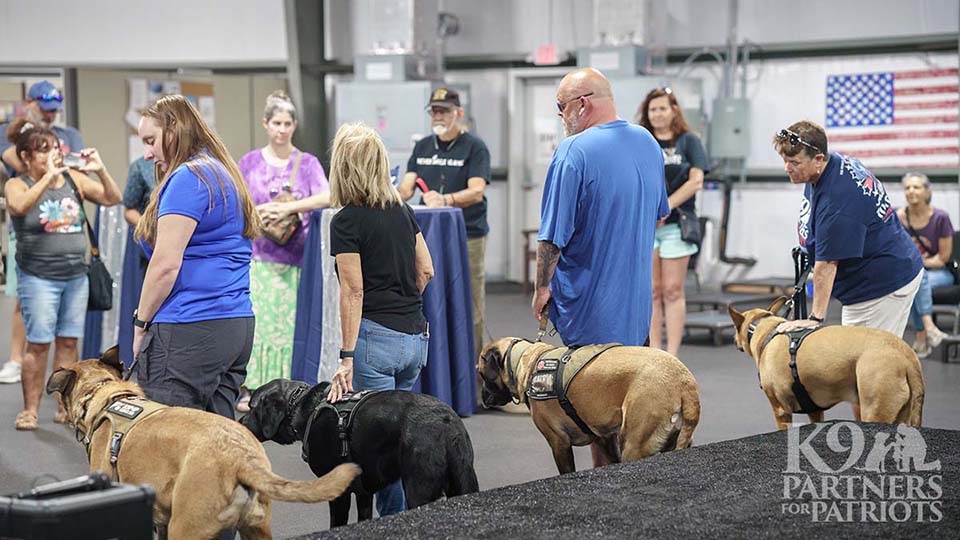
[728, 489]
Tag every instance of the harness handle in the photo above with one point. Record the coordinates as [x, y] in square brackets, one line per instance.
[544, 319]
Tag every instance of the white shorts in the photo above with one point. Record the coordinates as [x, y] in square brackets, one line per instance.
[889, 312]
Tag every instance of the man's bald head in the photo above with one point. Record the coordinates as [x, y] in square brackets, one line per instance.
[592, 90]
[584, 81]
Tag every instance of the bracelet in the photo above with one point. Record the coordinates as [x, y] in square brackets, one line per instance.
[345, 354]
[815, 318]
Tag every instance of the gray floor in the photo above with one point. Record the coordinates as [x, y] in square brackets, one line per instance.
[508, 448]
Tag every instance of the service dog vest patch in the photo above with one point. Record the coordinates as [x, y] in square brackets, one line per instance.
[555, 369]
[123, 414]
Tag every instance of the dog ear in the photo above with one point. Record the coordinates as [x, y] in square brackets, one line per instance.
[736, 316]
[323, 387]
[268, 407]
[111, 357]
[777, 304]
[61, 381]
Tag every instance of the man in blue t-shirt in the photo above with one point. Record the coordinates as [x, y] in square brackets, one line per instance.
[862, 255]
[602, 198]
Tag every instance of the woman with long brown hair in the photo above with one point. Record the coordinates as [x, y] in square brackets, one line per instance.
[193, 328]
[685, 163]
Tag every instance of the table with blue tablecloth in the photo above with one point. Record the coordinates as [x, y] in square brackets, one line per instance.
[450, 374]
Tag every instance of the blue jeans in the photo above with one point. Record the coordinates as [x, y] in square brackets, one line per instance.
[923, 303]
[388, 360]
[52, 307]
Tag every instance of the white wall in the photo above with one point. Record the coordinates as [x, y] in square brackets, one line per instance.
[143, 33]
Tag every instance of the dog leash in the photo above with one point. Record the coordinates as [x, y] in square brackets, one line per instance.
[544, 319]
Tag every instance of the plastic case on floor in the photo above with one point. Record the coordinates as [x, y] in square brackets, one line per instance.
[88, 507]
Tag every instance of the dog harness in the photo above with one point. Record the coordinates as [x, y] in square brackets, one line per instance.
[123, 414]
[807, 405]
[345, 410]
[555, 369]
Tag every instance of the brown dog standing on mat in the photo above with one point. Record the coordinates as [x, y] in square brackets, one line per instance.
[210, 473]
[859, 365]
[636, 401]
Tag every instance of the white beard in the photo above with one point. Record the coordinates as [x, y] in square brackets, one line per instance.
[440, 130]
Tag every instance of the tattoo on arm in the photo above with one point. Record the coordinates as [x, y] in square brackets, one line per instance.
[547, 256]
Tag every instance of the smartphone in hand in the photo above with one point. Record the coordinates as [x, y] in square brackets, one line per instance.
[74, 160]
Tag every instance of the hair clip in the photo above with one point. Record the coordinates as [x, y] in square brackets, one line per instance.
[26, 126]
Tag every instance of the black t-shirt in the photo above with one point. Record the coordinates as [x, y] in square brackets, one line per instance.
[386, 239]
[447, 167]
[679, 156]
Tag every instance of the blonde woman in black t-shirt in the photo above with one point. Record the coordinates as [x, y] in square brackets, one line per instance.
[383, 266]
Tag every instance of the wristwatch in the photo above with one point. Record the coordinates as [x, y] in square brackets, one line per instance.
[345, 354]
[140, 324]
[815, 318]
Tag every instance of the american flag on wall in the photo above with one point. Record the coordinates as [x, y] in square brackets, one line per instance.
[905, 119]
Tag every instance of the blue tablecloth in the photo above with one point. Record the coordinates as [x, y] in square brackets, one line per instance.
[450, 374]
[130, 284]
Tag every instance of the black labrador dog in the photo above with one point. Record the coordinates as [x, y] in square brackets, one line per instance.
[393, 435]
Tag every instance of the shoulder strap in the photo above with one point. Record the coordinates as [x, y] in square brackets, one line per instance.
[296, 167]
[913, 232]
[94, 245]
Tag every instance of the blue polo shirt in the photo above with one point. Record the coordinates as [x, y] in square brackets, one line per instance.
[602, 198]
[847, 217]
[214, 279]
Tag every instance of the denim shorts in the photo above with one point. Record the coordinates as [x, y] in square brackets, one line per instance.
[671, 246]
[386, 359]
[52, 307]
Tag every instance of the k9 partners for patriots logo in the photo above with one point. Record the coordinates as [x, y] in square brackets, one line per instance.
[837, 473]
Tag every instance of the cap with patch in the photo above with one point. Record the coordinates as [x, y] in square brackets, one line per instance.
[444, 96]
[46, 95]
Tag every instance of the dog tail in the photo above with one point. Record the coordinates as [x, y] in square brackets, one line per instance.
[915, 382]
[461, 478]
[326, 488]
[689, 413]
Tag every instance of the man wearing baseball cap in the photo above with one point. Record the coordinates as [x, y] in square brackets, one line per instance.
[454, 166]
[43, 104]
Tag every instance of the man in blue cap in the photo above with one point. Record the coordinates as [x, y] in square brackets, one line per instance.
[43, 104]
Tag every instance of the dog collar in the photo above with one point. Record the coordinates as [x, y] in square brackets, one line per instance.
[511, 366]
[752, 328]
[291, 403]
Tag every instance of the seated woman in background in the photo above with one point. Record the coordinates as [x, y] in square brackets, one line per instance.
[46, 206]
[932, 232]
[275, 271]
[383, 265]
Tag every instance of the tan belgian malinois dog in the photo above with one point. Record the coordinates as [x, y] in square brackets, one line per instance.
[636, 401]
[209, 472]
[868, 367]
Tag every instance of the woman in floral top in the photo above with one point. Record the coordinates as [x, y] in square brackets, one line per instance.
[275, 271]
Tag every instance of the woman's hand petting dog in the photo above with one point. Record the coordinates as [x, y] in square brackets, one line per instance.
[342, 382]
[788, 326]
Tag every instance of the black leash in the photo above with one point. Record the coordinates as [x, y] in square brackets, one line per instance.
[801, 271]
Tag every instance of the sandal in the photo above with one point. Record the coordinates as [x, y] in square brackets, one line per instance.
[61, 418]
[26, 421]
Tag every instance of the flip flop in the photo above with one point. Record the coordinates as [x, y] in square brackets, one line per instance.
[26, 421]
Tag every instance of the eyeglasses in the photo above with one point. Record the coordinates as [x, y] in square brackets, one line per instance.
[794, 139]
[562, 105]
[439, 110]
[51, 96]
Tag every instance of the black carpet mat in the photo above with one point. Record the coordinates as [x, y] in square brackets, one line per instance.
[741, 488]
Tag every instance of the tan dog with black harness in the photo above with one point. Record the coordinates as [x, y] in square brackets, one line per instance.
[209, 472]
[632, 401]
[807, 372]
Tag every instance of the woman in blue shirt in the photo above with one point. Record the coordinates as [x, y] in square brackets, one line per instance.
[194, 325]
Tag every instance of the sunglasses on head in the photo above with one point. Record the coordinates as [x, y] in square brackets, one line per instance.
[51, 96]
[562, 105]
[794, 139]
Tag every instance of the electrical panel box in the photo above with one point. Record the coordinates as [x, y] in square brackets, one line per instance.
[619, 61]
[730, 128]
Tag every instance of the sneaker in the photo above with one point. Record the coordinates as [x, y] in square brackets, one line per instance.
[935, 337]
[10, 373]
[243, 404]
[924, 351]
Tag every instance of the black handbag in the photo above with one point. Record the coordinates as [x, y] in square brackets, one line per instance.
[689, 226]
[100, 281]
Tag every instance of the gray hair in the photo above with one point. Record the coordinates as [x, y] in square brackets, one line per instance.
[276, 102]
[923, 179]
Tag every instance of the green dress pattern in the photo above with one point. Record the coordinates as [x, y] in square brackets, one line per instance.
[273, 292]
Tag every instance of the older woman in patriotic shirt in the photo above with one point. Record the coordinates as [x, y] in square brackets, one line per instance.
[862, 255]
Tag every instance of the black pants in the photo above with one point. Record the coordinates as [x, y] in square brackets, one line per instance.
[199, 365]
